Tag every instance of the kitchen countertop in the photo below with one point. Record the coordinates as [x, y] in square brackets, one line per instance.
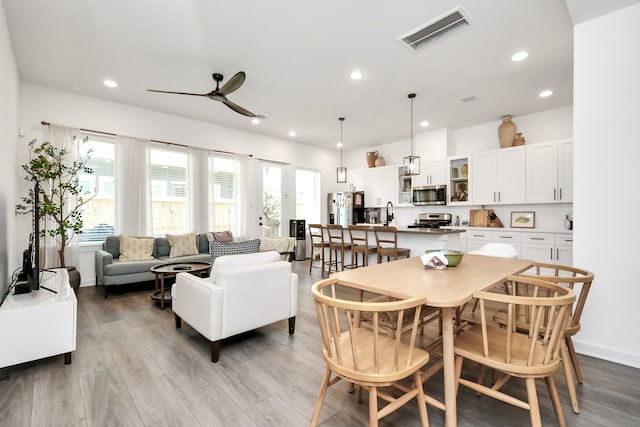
[425, 230]
[520, 230]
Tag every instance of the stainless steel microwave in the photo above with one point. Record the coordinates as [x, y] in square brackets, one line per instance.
[430, 195]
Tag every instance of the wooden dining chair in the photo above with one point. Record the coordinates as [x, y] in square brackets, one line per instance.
[580, 281]
[366, 357]
[359, 236]
[337, 246]
[529, 354]
[318, 245]
[387, 243]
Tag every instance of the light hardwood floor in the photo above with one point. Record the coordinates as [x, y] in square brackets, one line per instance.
[133, 368]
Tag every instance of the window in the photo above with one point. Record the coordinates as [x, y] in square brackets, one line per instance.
[98, 215]
[169, 191]
[308, 200]
[222, 193]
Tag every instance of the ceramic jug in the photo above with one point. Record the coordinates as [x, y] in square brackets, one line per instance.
[371, 158]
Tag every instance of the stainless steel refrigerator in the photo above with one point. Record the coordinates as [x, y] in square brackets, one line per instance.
[345, 208]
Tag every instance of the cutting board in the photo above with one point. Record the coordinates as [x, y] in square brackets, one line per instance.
[479, 217]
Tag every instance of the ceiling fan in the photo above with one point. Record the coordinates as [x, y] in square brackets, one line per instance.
[220, 93]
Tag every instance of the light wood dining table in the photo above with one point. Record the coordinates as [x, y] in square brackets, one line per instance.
[447, 289]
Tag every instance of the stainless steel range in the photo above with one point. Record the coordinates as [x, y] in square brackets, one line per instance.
[432, 220]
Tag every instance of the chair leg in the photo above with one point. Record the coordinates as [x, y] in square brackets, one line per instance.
[373, 407]
[574, 359]
[215, 350]
[555, 400]
[311, 259]
[568, 375]
[459, 360]
[292, 325]
[422, 404]
[534, 408]
[321, 394]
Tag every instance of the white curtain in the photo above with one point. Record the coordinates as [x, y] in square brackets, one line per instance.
[247, 211]
[199, 190]
[63, 137]
[133, 191]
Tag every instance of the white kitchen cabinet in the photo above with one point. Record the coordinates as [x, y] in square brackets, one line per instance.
[459, 173]
[499, 176]
[380, 186]
[477, 239]
[432, 149]
[432, 172]
[355, 178]
[405, 184]
[549, 172]
[565, 170]
[548, 248]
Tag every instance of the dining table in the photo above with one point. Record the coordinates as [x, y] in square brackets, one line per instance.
[447, 289]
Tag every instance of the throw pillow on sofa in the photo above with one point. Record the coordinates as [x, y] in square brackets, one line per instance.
[218, 249]
[182, 244]
[220, 236]
[136, 248]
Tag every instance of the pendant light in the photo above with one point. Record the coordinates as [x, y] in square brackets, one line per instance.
[411, 163]
[341, 172]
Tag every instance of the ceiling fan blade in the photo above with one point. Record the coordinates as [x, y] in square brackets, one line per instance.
[234, 83]
[238, 109]
[177, 93]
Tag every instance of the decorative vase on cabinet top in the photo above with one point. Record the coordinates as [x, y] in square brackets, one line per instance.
[519, 139]
[371, 158]
[380, 161]
[506, 132]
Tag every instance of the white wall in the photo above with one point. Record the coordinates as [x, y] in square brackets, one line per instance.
[606, 108]
[9, 257]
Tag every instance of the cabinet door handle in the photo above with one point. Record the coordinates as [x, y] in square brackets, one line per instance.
[537, 238]
[494, 196]
[551, 253]
[560, 193]
[498, 196]
[506, 237]
[557, 254]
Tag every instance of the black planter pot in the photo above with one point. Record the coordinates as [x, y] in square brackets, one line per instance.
[74, 278]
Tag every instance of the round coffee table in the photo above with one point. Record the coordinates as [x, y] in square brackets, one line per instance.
[170, 269]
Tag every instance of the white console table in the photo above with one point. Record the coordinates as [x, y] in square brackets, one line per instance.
[38, 324]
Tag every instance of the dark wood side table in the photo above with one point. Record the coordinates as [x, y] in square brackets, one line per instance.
[163, 271]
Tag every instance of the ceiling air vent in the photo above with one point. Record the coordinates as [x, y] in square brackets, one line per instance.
[437, 29]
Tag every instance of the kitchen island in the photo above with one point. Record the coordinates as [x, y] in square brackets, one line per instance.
[421, 239]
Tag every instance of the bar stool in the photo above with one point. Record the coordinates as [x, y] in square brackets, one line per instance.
[359, 236]
[336, 244]
[316, 235]
[387, 244]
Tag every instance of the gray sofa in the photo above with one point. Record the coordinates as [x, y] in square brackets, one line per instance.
[110, 271]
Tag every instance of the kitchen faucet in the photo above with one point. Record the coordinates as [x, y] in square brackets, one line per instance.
[389, 213]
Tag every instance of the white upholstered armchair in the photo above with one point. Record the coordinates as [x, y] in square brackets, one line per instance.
[244, 292]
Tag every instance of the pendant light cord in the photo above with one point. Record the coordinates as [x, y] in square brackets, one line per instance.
[411, 96]
[341, 122]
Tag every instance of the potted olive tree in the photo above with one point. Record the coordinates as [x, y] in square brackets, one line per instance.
[61, 195]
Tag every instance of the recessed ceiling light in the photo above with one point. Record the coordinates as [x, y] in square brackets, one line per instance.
[110, 83]
[519, 56]
[545, 93]
[356, 74]
[339, 145]
[255, 121]
[292, 133]
[424, 123]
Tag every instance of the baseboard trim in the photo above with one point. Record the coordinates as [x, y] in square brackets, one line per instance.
[623, 358]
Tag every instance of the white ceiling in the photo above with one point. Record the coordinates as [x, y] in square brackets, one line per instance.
[297, 56]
